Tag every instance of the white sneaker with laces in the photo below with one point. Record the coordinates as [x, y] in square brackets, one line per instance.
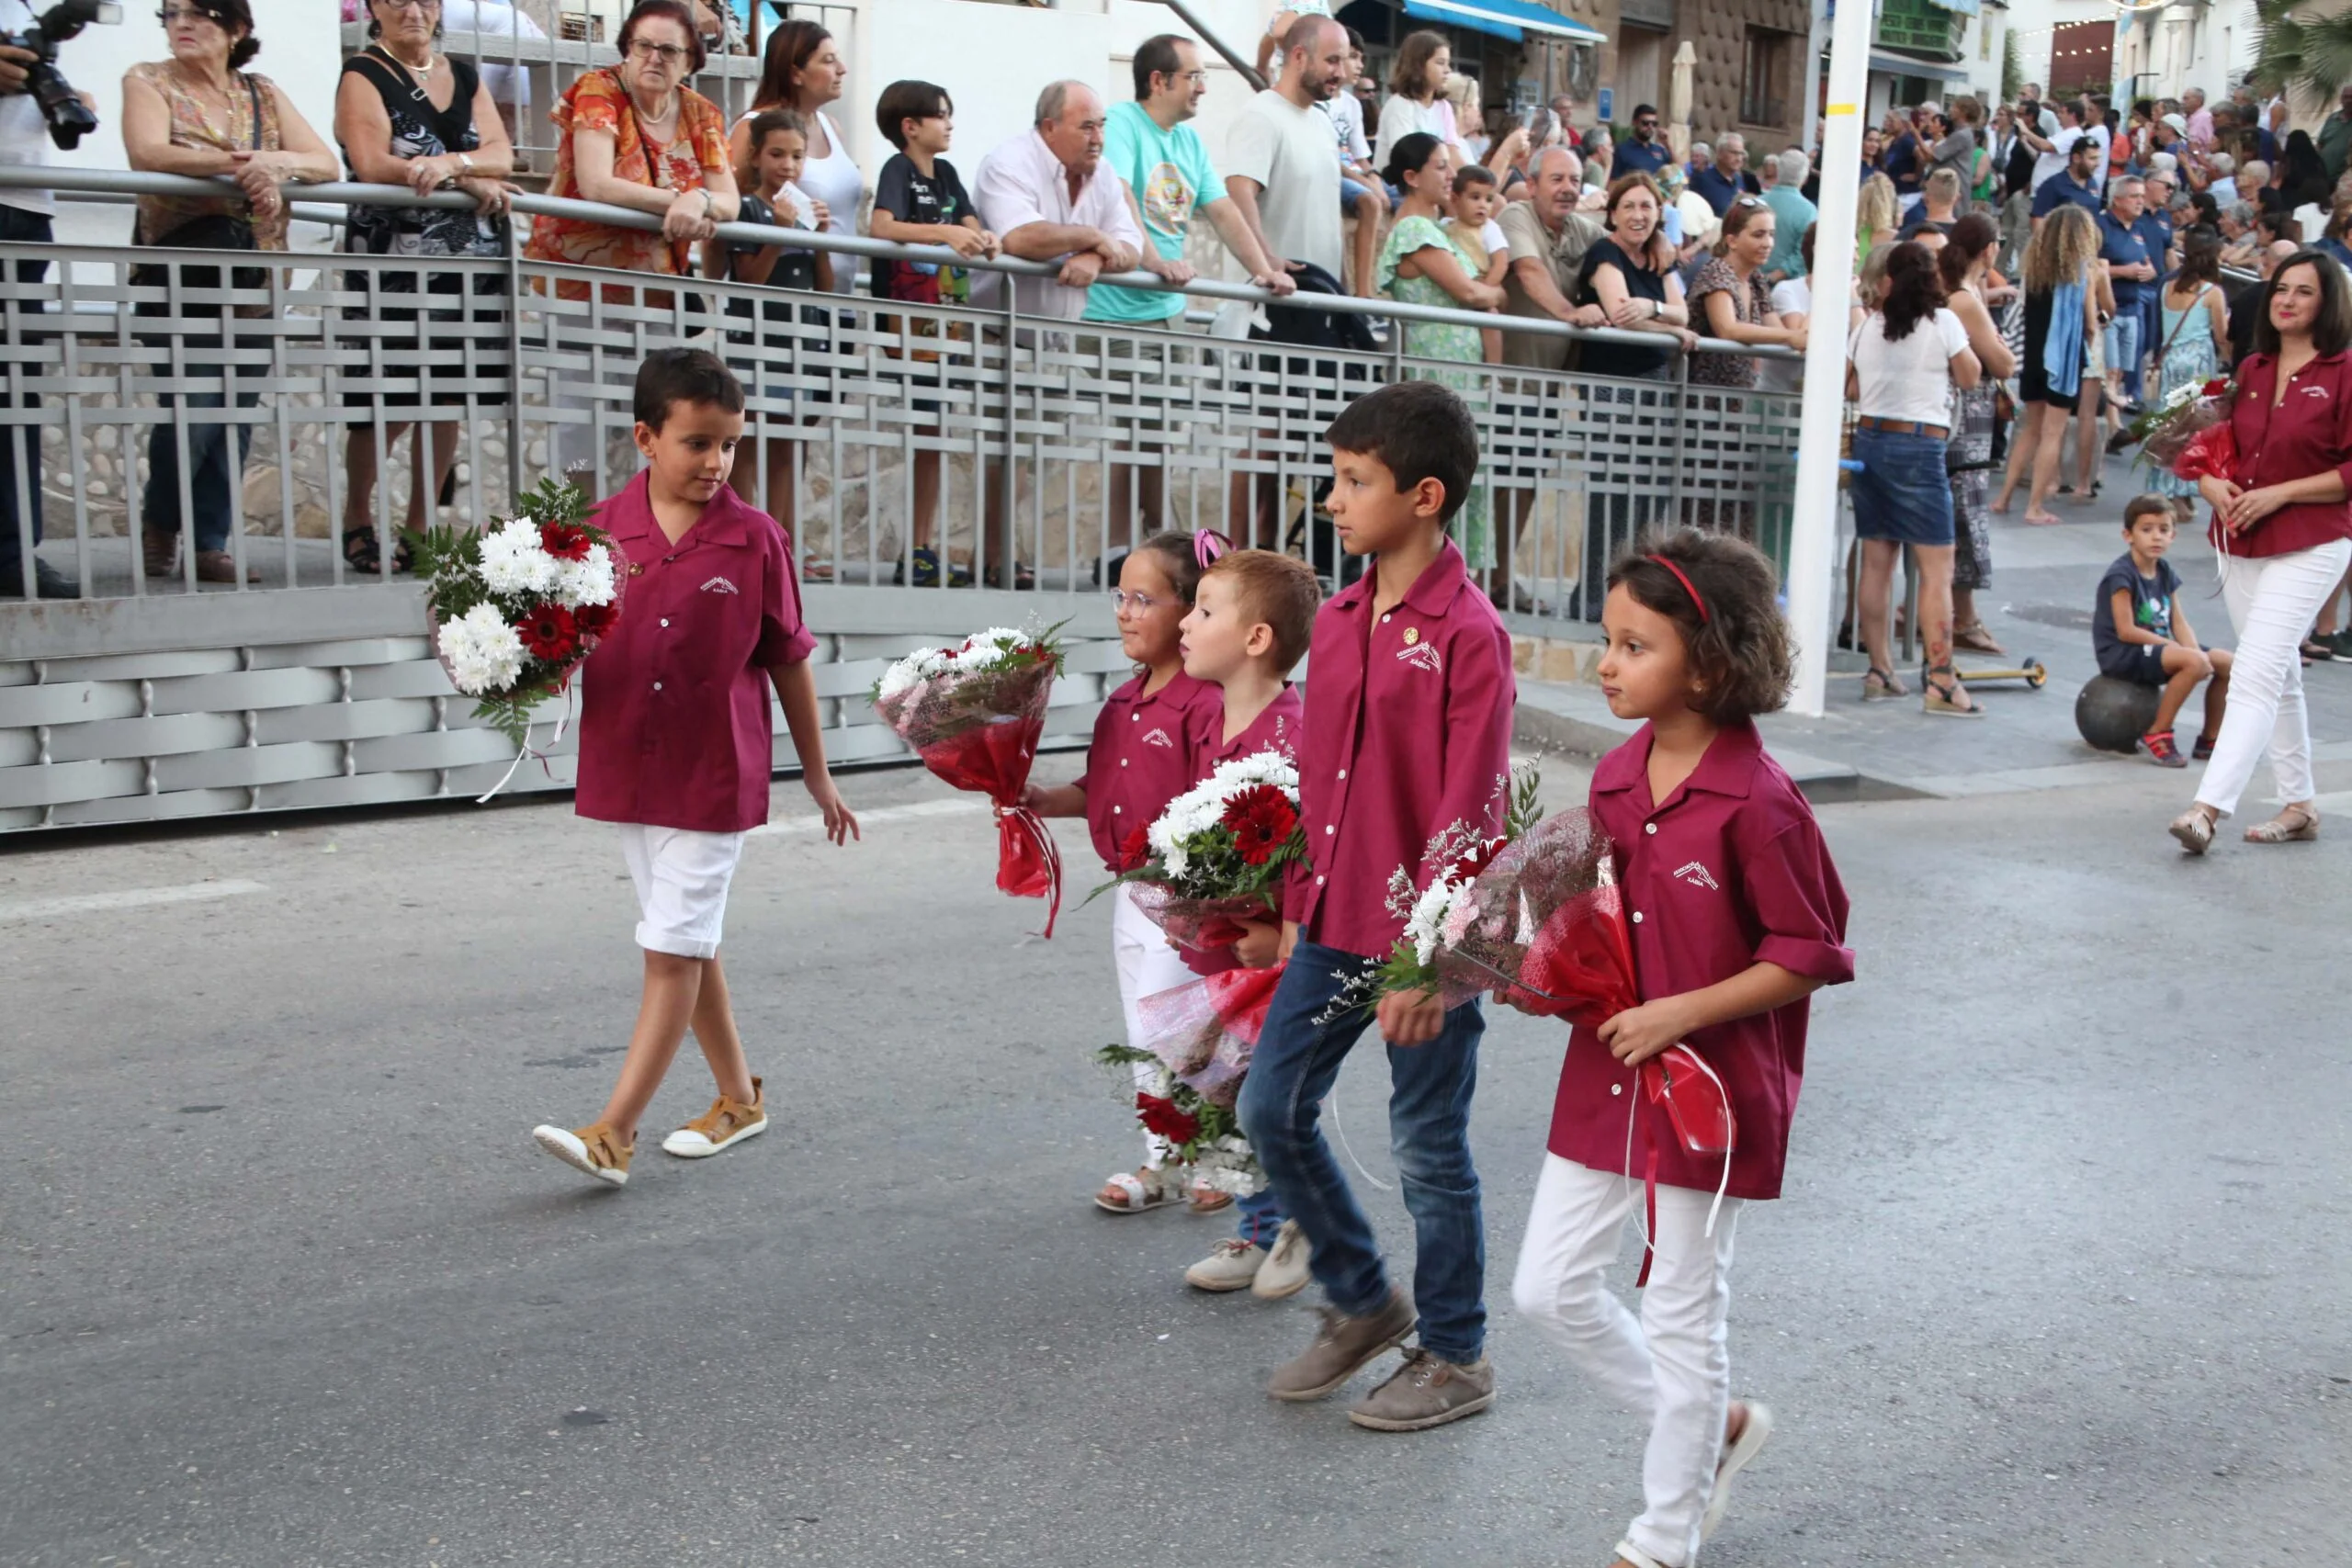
[1284, 1272]
[1230, 1267]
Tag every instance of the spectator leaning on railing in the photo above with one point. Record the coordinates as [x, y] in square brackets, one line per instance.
[803, 71]
[24, 218]
[635, 135]
[201, 113]
[1278, 167]
[405, 114]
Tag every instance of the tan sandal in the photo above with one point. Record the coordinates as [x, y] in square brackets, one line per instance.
[1974, 638]
[2304, 830]
[1948, 701]
[2194, 828]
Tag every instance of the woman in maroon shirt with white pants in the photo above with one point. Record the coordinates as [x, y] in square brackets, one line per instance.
[2284, 527]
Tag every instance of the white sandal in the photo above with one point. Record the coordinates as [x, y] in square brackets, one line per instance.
[1633, 1556]
[1752, 1436]
[1140, 1191]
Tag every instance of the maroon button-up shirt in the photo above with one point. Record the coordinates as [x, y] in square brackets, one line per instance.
[1409, 720]
[1280, 728]
[675, 726]
[1146, 751]
[2309, 432]
[1730, 872]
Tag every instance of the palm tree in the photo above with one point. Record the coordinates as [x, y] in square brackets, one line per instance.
[2307, 51]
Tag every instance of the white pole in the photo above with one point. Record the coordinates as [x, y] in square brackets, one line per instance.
[1813, 540]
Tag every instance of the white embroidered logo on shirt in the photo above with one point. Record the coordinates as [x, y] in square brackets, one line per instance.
[718, 585]
[1158, 737]
[1698, 875]
[2319, 392]
[1422, 655]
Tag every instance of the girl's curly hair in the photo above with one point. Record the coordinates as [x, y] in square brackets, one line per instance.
[1741, 659]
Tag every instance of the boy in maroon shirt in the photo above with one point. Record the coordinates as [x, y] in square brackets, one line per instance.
[677, 744]
[1409, 720]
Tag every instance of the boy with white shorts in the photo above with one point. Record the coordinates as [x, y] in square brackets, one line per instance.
[676, 742]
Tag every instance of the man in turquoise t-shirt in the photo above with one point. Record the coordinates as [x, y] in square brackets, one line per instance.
[1166, 171]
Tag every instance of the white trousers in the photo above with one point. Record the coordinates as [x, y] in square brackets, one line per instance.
[1147, 966]
[1673, 1365]
[2273, 602]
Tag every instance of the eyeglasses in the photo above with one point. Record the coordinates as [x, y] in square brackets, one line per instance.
[410, 5]
[179, 14]
[1751, 202]
[1141, 604]
[646, 49]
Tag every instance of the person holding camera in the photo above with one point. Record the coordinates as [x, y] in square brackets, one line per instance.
[201, 113]
[24, 218]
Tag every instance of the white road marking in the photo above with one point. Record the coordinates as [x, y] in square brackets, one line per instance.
[128, 898]
[954, 806]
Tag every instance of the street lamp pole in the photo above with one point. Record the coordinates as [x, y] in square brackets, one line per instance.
[1813, 542]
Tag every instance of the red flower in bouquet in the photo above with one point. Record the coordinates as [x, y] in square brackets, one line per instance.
[1134, 848]
[1163, 1119]
[550, 632]
[596, 620]
[1262, 820]
[2212, 454]
[565, 541]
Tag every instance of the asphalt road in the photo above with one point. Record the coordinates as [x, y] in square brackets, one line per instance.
[2060, 1277]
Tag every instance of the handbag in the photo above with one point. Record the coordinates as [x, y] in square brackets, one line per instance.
[213, 231]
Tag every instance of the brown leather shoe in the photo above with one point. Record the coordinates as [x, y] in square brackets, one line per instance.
[1427, 1390]
[219, 566]
[162, 552]
[1343, 1347]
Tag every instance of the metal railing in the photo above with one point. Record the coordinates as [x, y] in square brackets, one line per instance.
[1055, 445]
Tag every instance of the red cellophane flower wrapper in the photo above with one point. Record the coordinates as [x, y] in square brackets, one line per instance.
[1201, 925]
[2211, 453]
[977, 730]
[1506, 918]
[1214, 857]
[1206, 1030]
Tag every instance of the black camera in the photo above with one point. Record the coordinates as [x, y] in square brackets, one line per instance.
[69, 117]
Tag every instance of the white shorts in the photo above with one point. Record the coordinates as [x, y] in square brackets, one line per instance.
[682, 878]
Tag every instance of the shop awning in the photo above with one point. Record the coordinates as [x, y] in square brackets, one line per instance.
[1904, 66]
[1512, 20]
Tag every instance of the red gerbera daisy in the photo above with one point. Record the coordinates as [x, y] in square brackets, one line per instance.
[565, 541]
[1162, 1118]
[1262, 820]
[1476, 860]
[1134, 848]
[550, 633]
[596, 620]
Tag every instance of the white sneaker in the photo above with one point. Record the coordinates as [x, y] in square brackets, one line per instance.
[1284, 1273]
[1232, 1264]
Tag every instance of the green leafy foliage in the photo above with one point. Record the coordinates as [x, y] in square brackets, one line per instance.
[1216, 1123]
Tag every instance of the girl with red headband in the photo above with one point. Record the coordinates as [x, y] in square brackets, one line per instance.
[1736, 916]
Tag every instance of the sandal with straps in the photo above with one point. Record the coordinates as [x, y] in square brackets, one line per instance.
[1133, 1192]
[1879, 685]
[1948, 701]
[364, 556]
[2277, 831]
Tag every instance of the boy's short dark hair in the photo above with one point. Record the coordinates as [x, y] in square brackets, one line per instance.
[1473, 174]
[1282, 591]
[668, 375]
[1741, 661]
[903, 101]
[2144, 505]
[1418, 430]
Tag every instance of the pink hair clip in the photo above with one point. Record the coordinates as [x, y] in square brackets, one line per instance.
[1207, 544]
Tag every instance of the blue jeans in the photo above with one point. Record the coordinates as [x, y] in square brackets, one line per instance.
[1429, 1133]
[1258, 1217]
[209, 470]
[20, 445]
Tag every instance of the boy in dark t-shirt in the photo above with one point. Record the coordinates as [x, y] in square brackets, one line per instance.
[919, 200]
[2140, 633]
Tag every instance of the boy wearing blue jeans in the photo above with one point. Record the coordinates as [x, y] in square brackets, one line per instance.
[1409, 718]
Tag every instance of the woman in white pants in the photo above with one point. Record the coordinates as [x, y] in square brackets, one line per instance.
[2284, 527]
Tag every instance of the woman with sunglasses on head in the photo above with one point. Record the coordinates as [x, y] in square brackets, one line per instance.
[408, 114]
[201, 113]
[635, 135]
[802, 70]
[2282, 520]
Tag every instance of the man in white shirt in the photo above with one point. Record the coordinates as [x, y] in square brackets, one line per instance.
[1280, 169]
[1048, 197]
[2051, 150]
[24, 218]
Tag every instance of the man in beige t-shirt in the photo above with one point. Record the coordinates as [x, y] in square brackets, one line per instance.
[1548, 241]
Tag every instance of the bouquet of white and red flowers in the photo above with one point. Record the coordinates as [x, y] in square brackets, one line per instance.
[974, 714]
[1440, 915]
[1216, 855]
[1200, 1037]
[2168, 431]
[515, 607]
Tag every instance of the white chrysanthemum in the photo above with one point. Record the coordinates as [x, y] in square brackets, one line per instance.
[485, 654]
[1432, 911]
[588, 582]
[513, 561]
[905, 674]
